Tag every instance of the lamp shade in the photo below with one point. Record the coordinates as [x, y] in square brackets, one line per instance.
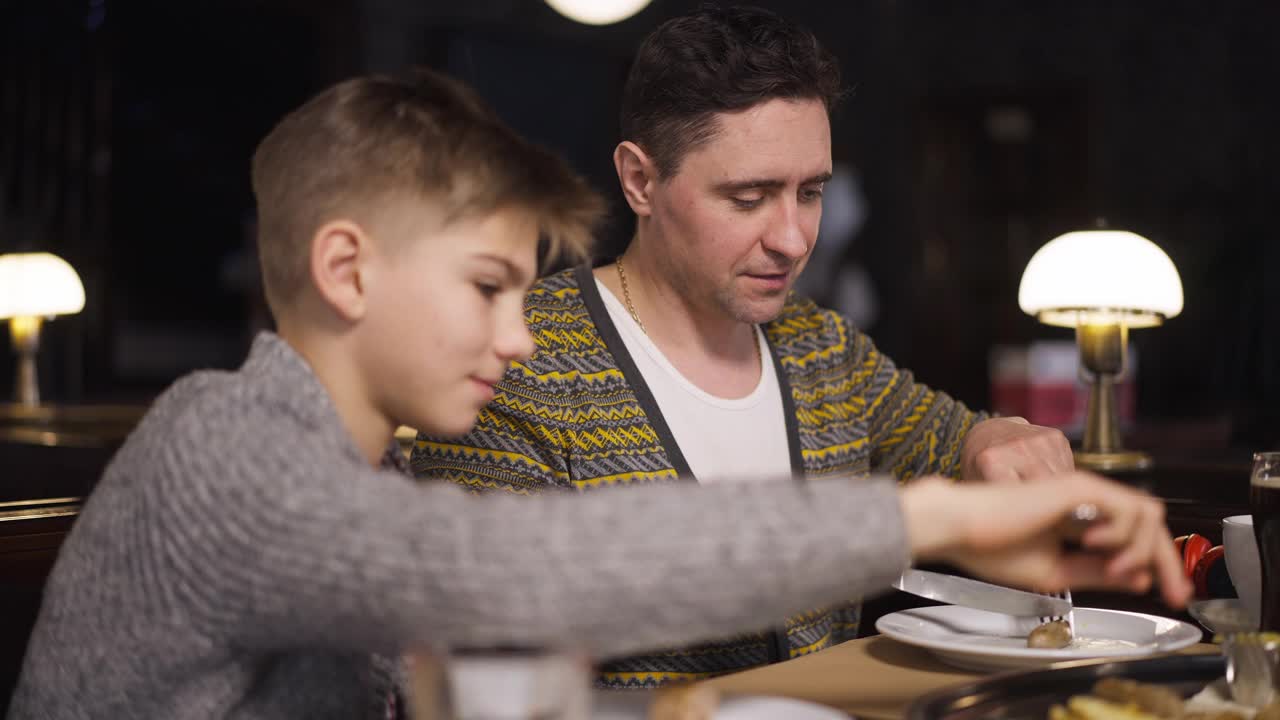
[38, 285]
[1100, 276]
[598, 12]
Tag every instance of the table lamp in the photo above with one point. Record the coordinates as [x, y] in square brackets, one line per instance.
[34, 287]
[1102, 283]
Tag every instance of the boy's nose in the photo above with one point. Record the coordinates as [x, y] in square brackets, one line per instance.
[514, 342]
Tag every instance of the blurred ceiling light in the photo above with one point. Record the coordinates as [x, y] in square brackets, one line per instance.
[598, 12]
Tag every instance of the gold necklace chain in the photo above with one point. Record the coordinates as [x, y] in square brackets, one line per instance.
[626, 294]
[631, 308]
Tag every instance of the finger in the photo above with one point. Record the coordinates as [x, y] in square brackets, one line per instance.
[1140, 551]
[1135, 558]
[995, 471]
[1066, 455]
[1112, 533]
[1175, 586]
[1038, 469]
[1137, 581]
[1086, 572]
[1122, 512]
[1162, 566]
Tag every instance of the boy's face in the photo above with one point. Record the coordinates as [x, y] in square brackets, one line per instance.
[740, 216]
[446, 318]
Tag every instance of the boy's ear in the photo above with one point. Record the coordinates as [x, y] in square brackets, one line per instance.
[637, 175]
[339, 250]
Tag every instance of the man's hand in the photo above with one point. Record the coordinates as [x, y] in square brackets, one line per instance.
[1009, 450]
[1015, 534]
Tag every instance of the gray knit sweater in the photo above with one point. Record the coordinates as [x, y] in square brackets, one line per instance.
[239, 559]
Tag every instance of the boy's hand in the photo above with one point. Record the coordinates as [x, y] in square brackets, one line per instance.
[1014, 534]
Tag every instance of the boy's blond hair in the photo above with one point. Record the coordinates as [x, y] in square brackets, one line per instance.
[364, 143]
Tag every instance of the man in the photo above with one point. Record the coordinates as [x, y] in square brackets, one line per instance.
[688, 357]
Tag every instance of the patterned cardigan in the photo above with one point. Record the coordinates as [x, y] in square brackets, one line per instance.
[578, 416]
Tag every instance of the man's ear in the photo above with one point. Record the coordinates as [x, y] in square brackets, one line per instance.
[339, 252]
[637, 174]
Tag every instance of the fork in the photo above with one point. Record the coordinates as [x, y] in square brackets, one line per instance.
[1081, 517]
[1070, 616]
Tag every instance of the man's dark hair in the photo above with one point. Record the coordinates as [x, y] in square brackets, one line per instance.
[718, 60]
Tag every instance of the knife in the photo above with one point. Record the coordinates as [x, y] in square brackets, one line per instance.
[982, 596]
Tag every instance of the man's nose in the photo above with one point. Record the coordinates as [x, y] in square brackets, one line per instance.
[786, 234]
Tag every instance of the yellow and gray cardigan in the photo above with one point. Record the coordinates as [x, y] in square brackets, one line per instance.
[578, 416]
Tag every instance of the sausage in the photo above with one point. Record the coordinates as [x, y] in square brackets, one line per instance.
[1051, 635]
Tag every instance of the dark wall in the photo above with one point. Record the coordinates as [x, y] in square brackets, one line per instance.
[1155, 115]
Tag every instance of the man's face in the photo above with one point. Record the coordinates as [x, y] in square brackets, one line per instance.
[738, 220]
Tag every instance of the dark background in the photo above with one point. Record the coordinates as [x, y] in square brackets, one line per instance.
[126, 130]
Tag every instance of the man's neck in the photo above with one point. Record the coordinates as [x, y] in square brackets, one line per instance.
[716, 352]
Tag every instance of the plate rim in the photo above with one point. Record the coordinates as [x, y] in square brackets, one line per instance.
[1045, 654]
[800, 702]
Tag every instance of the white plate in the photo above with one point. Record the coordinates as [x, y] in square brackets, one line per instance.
[771, 708]
[980, 640]
[628, 705]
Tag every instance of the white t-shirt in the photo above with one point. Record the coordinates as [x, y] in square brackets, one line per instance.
[721, 439]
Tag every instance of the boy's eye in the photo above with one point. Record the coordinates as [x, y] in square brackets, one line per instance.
[487, 289]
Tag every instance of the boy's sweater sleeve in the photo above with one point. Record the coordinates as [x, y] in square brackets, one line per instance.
[281, 545]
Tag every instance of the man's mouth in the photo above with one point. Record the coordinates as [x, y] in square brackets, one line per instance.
[773, 280]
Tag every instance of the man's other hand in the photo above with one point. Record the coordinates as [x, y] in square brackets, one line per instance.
[1009, 450]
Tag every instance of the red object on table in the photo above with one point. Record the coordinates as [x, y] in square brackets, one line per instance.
[1192, 547]
[1205, 575]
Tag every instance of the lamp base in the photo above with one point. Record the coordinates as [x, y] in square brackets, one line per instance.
[1120, 461]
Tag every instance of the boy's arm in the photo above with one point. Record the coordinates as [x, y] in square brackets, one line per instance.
[913, 429]
[274, 552]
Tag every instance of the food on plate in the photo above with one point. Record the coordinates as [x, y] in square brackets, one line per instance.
[1155, 699]
[684, 702]
[1051, 635]
[1120, 699]
[1270, 712]
[1088, 707]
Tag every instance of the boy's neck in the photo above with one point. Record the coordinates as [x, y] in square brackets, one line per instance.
[371, 430]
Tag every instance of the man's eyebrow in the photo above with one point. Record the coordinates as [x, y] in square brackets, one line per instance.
[733, 186]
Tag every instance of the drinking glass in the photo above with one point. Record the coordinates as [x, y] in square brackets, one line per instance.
[1264, 503]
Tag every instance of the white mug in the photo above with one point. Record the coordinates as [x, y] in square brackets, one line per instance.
[1243, 565]
[511, 684]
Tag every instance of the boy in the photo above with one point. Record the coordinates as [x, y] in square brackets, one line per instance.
[244, 557]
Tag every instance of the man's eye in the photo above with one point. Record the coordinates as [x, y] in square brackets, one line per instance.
[746, 203]
[811, 195]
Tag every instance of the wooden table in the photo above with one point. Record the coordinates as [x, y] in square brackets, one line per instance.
[874, 678]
